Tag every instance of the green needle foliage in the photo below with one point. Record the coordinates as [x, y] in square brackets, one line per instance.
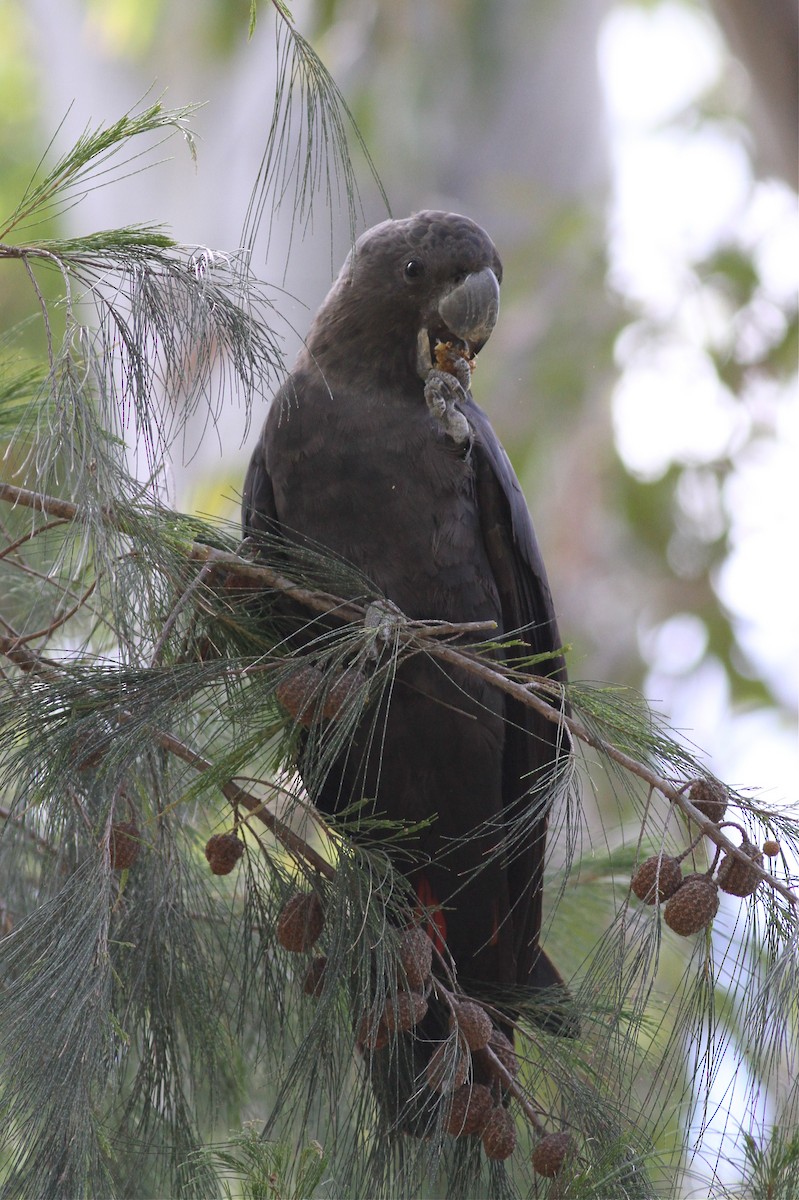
[306, 153]
[150, 1006]
[86, 165]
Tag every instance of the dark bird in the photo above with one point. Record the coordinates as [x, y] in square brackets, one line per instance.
[374, 448]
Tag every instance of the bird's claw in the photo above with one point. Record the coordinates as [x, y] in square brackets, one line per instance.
[382, 618]
[442, 391]
[462, 371]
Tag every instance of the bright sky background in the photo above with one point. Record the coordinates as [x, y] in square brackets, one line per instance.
[682, 189]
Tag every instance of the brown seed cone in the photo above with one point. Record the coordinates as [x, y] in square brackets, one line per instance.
[692, 907]
[372, 1032]
[447, 1068]
[503, 1048]
[551, 1153]
[314, 979]
[300, 922]
[499, 1135]
[404, 1012]
[468, 1110]
[345, 687]
[734, 876]
[473, 1023]
[83, 755]
[416, 957]
[298, 693]
[125, 845]
[223, 851]
[709, 797]
[771, 848]
[657, 878]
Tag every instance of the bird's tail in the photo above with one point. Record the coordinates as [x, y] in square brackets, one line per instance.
[547, 1002]
[416, 1072]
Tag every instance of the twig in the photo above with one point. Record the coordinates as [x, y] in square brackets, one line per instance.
[43, 306]
[526, 693]
[178, 606]
[434, 629]
[39, 502]
[26, 659]
[59, 621]
[237, 795]
[32, 533]
[31, 834]
[490, 1059]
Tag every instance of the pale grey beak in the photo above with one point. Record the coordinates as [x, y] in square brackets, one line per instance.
[467, 312]
[470, 310]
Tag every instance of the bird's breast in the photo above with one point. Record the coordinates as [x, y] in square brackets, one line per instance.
[376, 480]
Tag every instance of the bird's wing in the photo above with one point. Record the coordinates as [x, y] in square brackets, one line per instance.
[258, 510]
[534, 746]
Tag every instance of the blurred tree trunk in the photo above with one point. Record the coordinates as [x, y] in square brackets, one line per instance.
[765, 37]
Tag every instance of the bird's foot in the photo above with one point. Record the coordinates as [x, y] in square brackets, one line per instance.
[382, 618]
[442, 391]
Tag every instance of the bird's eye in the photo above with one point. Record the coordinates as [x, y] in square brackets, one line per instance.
[414, 268]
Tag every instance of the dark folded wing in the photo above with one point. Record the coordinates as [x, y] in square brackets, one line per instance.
[534, 748]
[258, 512]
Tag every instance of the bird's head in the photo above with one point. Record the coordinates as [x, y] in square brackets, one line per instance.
[407, 287]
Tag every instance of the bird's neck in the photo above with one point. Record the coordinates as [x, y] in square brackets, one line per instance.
[362, 352]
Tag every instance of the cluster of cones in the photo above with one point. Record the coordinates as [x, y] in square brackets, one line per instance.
[470, 1109]
[691, 901]
[308, 694]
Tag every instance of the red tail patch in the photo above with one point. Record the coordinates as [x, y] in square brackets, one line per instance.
[430, 910]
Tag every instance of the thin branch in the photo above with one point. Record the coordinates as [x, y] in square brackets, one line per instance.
[497, 1068]
[237, 795]
[39, 502]
[30, 834]
[43, 306]
[66, 593]
[33, 663]
[489, 1059]
[28, 661]
[59, 621]
[26, 253]
[32, 533]
[442, 629]
[177, 608]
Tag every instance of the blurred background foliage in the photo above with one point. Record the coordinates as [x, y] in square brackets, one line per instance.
[635, 165]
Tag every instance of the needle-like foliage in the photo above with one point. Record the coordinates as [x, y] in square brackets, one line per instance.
[160, 686]
[307, 156]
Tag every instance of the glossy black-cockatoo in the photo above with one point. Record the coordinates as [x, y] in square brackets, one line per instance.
[375, 449]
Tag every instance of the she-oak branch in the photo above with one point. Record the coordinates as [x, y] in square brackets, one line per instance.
[541, 694]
